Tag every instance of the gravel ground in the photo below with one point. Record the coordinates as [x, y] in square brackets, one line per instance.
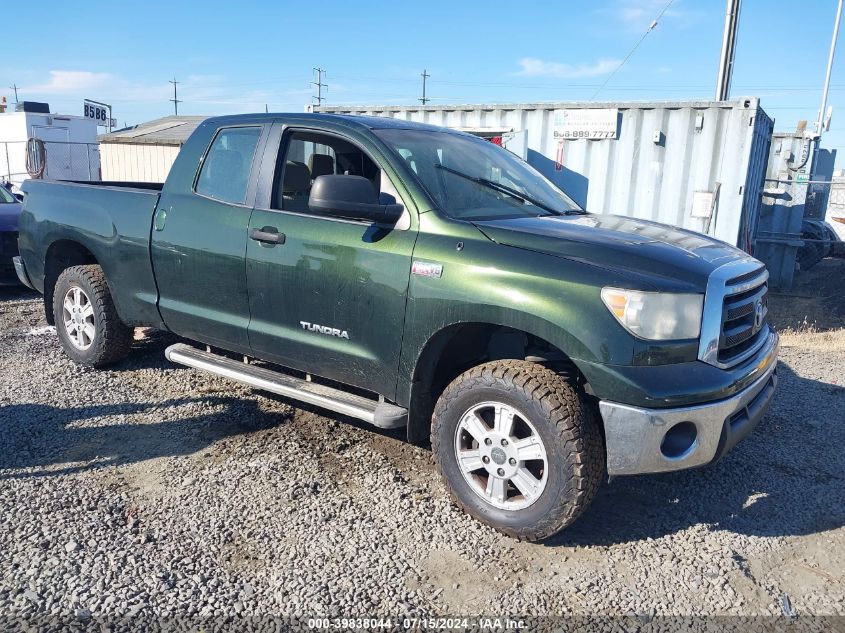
[151, 488]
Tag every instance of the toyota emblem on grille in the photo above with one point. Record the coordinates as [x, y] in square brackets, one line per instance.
[758, 315]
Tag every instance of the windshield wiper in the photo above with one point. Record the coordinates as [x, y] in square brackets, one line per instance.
[500, 188]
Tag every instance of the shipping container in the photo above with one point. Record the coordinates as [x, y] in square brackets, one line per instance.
[694, 164]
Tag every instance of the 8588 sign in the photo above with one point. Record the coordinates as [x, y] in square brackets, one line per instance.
[96, 112]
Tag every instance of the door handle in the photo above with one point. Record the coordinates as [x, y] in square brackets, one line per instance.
[267, 235]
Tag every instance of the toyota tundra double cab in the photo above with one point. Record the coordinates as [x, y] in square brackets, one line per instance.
[418, 277]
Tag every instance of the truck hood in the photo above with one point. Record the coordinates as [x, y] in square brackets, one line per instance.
[9, 214]
[652, 252]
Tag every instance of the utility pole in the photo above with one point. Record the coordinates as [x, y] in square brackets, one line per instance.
[726, 61]
[425, 76]
[15, 88]
[175, 100]
[319, 85]
[820, 123]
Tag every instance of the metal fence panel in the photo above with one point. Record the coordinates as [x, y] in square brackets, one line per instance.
[664, 153]
[835, 215]
[64, 161]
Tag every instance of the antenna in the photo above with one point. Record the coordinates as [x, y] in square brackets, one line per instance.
[15, 88]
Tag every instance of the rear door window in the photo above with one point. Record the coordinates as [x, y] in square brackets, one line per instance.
[227, 166]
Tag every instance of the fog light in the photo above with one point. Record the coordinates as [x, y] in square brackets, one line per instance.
[679, 441]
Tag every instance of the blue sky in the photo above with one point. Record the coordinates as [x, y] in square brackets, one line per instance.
[237, 57]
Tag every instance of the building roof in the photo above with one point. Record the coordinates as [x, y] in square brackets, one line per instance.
[175, 130]
[169, 130]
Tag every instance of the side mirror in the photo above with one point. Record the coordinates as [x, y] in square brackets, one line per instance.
[351, 197]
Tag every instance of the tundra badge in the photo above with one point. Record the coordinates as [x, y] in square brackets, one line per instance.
[324, 329]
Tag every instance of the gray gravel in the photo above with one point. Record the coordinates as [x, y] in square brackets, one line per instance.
[151, 488]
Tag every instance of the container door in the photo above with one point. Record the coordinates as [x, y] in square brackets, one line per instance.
[57, 145]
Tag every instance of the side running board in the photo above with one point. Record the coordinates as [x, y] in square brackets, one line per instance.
[380, 414]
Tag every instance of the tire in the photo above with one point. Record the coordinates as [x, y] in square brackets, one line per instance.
[813, 251]
[89, 329]
[545, 407]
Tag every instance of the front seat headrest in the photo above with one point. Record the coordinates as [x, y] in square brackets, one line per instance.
[321, 165]
[297, 179]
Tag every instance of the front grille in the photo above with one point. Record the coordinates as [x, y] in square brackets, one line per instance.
[744, 316]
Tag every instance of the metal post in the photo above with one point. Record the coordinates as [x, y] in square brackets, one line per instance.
[319, 85]
[8, 164]
[829, 68]
[425, 76]
[726, 61]
[176, 101]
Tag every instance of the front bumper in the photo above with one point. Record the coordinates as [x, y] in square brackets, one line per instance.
[20, 270]
[651, 440]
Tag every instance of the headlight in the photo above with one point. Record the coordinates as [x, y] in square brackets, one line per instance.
[658, 316]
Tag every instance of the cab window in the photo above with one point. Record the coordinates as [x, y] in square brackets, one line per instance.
[225, 171]
[306, 156]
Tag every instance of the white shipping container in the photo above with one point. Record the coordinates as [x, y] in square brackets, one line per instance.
[694, 164]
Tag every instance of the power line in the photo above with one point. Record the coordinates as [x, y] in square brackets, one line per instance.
[319, 85]
[424, 76]
[636, 46]
[175, 100]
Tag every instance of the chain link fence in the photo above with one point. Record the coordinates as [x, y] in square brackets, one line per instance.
[61, 161]
[836, 201]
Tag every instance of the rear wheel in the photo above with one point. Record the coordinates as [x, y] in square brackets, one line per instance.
[87, 324]
[518, 448]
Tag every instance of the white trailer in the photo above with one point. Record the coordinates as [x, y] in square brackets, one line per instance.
[70, 144]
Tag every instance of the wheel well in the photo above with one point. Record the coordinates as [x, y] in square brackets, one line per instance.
[455, 349]
[61, 255]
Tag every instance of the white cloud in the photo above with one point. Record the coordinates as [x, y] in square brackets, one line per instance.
[62, 82]
[533, 67]
[202, 92]
[136, 101]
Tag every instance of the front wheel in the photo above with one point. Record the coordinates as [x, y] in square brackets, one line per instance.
[518, 448]
[89, 329]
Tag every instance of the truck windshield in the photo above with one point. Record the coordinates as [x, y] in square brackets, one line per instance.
[472, 179]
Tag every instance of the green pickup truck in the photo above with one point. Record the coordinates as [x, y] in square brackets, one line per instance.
[418, 277]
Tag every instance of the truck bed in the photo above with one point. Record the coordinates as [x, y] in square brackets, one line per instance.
[113, 219]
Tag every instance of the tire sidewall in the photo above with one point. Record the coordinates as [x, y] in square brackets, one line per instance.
[559, 464]
[71, 278]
